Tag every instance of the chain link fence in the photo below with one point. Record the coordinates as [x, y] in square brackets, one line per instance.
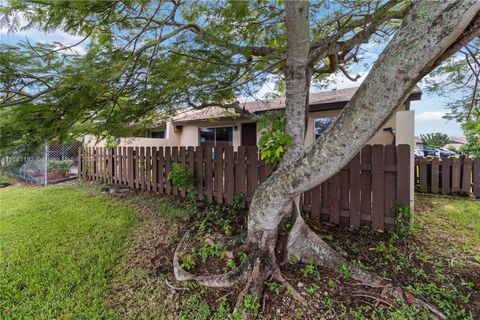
[51, 163]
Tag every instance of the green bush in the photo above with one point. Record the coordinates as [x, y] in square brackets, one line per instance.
[61, 166]
[273, 141]
[403, 218]
[181, 177]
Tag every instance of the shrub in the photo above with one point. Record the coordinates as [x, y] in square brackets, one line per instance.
[403, 218]
[181, 177]
[61, 166]
[273, 141]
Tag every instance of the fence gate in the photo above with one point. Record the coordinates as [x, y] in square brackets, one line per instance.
[51, 163]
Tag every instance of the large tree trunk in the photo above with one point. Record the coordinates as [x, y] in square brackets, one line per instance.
[296, 78]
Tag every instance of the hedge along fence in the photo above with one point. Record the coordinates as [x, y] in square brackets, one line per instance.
[364, 192]
[448, 176]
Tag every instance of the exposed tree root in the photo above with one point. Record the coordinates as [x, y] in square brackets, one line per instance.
[305, 245]
[280, 278]
[218, 281]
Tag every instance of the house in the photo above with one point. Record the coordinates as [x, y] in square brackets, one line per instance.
[215, 126]
[455, 142]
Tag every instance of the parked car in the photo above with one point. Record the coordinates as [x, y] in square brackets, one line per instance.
[419, 153]
[438, 152]
[445, 153]
[431, 152]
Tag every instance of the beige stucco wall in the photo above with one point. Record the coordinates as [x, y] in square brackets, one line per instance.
[188, 135]
[381, 137]
[405, 124]
[172, 138]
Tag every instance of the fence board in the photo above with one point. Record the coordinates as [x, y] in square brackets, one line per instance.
[390, 181]
[218, 174]
[344, 189]
[423, 175]
[378, 186]
[114, 165]
[154, 169]
[456, 174]
[446, 176]
[316, 194]
[111, 172]
[476, 177]
[168, 166]
[142, 168]
[124, 166]
[252, 171]
[208, 174]
[229, 174]
[466, 176]
[183, 161]
[240, 174]
[334, 199]
[199, 172]
[366, 181]
[148, 168]
[435, 176]
[174, 159]
[354, 205]
[403, 175]
[161, 170]
[102, 163]
[118, 160]
[130, 164]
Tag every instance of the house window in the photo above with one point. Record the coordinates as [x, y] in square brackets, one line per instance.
[216, 137]
[321, 124]
[157, 134]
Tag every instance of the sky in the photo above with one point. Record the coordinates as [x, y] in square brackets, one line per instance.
[429, 111]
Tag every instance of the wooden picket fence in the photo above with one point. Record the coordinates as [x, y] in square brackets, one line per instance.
[448, 176]
[364, 192]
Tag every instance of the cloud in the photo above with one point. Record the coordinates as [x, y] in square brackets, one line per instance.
[430, 117]
[36, 35]
[340, 81]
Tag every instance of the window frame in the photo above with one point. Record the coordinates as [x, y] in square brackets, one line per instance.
[314, 125]
[155, 131]
[214, 134]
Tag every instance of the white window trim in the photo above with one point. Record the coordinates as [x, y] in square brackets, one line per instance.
[215, 133]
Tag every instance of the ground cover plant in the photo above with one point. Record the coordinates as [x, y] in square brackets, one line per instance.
[418, 262]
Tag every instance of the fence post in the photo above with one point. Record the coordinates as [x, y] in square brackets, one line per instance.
[79, 163]
[46, 164]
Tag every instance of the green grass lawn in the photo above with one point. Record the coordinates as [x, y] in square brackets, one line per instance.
[454, 220]
[58, 247]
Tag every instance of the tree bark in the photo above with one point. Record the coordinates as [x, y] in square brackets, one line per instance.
[428, 31]
[296, 79]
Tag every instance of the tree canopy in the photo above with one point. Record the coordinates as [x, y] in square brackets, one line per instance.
[149, 57]
[436, 140]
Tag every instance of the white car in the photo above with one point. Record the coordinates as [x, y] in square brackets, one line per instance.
[419, 153]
